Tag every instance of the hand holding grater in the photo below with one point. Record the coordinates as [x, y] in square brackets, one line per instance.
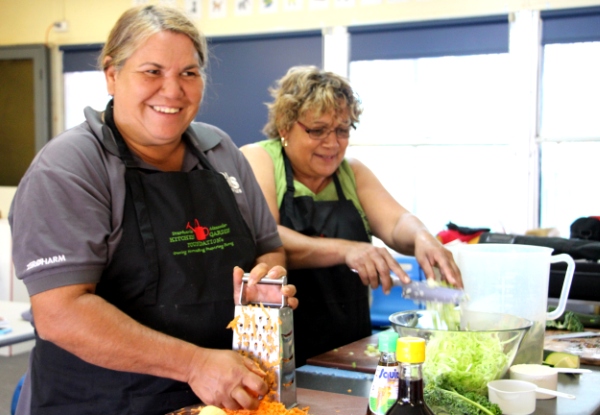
[265, 333]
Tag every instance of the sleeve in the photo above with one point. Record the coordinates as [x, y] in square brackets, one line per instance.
[230, 161]
[265, 227]
[61, 215]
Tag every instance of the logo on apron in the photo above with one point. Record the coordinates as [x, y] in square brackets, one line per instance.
[198, 239]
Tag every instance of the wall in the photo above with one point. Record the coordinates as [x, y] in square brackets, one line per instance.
[29, 21]
[6, 196]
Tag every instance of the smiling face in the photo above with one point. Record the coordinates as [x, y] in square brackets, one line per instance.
[157, 92]
[314, 161]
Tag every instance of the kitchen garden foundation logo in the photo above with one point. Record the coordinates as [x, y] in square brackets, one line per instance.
[199, 239]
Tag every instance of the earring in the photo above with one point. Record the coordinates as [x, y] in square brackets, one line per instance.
[283, 142]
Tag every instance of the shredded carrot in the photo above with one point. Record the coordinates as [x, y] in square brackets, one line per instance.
[269, 407]
[266, 407]
[262, 349]
[233, 324]
[264, 310]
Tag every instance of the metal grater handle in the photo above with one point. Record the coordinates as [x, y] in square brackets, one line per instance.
[280, 281]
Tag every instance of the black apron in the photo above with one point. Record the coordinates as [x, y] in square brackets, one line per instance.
[172, 271]
[334, 303]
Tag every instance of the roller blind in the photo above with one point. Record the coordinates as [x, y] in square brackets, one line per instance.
[570, 26]
[240, 72]
[429, 39]
[81, 58]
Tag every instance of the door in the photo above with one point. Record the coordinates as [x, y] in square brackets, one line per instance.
[24, 108]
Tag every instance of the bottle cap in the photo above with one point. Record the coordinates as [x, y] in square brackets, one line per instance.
[410, 350]
[387, 341]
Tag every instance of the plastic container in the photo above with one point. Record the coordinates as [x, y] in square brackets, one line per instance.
[517, 397]
[542, 376]
[513, 279]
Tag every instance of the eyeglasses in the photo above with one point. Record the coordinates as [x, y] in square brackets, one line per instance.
[342, 133]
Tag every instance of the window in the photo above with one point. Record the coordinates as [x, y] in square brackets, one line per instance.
[569, 122]
[570, 134]
[240, 72]
[84, 85]
[435, 127]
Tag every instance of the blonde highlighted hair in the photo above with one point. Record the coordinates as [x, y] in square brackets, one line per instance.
[308, 88]
[138, 24]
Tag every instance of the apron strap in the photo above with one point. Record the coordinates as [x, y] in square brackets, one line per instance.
[134, 185]
[289, 179]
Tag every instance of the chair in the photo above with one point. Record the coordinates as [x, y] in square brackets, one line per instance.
[16, 394]
[382, 306]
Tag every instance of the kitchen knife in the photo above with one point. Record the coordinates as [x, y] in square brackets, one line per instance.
[573, 335]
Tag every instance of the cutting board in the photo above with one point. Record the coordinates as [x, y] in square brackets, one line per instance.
[319, 403]
[349, 357]
[327, 403]
[588, 349]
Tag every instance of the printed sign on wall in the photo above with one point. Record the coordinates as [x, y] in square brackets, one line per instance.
[268, 6]
[243, 7]
[192, 8]
[217, 9]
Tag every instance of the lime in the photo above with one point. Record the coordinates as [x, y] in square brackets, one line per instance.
[562, 359]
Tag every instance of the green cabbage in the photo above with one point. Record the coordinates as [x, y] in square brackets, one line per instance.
[464, 361]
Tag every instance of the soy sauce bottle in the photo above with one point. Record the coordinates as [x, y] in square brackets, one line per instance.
[384, 390]
[410, 352]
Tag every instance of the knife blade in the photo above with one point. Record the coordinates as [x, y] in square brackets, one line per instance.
[573, 335]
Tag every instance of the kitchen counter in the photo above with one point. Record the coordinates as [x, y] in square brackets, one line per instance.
[349, 370]
[342, 382]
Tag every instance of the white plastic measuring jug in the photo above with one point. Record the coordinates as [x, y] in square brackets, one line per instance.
[513, 279]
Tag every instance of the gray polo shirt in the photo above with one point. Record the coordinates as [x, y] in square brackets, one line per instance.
[67, 212]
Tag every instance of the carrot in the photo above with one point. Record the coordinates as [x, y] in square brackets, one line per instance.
[247, 322]
[269, 407]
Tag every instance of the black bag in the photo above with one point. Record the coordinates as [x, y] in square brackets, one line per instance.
[586, 228]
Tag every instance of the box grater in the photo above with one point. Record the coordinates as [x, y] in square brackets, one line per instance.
[265, 333]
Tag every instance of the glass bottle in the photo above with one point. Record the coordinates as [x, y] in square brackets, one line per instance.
[410, 352]
[384, 389]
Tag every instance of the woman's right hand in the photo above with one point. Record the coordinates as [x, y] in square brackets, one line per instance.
[373, 265]
[227, 379]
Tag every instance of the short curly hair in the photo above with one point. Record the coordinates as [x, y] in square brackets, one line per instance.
[308, 88]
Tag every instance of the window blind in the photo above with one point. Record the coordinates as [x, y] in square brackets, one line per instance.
[430, 39]
[570, 26]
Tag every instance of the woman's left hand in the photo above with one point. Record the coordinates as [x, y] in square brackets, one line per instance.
[430, 253]
[264, 293]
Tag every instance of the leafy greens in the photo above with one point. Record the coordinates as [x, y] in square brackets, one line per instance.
[451, 402]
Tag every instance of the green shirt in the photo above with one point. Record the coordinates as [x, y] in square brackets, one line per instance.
[345, 175]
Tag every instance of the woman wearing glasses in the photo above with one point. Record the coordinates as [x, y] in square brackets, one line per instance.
[328, 207]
